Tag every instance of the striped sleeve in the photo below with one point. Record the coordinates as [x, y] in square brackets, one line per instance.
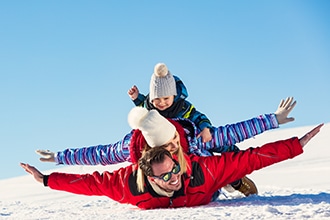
[96, 155]
[231, 134]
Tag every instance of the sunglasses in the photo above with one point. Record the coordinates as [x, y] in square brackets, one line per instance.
[167, 176]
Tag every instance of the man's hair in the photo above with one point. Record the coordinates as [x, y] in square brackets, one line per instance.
[152, 156]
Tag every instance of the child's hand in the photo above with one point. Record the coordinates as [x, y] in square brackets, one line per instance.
[205, 134]
[133, 92]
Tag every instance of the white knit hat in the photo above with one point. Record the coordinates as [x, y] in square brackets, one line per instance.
[162, 82]
[156, 129]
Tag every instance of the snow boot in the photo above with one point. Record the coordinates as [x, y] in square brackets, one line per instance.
[245, 186]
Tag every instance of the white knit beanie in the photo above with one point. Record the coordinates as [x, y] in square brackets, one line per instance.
[162, 82]
[156, 129]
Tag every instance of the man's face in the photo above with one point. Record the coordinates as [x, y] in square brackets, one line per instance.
[163, 102]
[159, 169]
[173, 145]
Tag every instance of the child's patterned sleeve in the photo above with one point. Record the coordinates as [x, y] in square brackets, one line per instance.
[139, 101]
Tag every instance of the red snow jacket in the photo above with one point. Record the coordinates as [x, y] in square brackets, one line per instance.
[205, 176]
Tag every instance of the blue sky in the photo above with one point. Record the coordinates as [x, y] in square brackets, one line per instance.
[66, 66]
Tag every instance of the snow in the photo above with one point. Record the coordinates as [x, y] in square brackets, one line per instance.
[294, 189]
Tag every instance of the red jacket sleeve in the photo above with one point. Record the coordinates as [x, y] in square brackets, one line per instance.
[105, 184]
[229, 167]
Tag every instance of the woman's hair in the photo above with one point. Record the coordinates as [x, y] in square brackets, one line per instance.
[156, 155]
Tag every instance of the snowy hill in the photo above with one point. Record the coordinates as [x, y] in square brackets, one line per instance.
[294, 189]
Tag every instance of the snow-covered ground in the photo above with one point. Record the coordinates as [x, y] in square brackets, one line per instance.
[294, 189]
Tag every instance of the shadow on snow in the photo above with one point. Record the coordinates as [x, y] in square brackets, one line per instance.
[289, 200]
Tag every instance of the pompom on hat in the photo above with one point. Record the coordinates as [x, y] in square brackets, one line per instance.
[156, 129]
[162, 82]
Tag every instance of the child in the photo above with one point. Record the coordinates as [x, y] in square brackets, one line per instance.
[168, 95]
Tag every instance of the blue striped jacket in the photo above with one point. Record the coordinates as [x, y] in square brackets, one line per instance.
[223, 139]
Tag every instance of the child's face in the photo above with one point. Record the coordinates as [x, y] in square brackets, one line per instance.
[163, 102]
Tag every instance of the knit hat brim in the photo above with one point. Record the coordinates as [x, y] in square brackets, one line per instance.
[156, 129]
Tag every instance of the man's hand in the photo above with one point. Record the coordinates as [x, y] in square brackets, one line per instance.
[33, 171]
[46, 155]
[283, 110]
[307, 137]
[133, 92]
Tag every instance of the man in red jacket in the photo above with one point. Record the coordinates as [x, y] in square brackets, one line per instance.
[165, 184]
